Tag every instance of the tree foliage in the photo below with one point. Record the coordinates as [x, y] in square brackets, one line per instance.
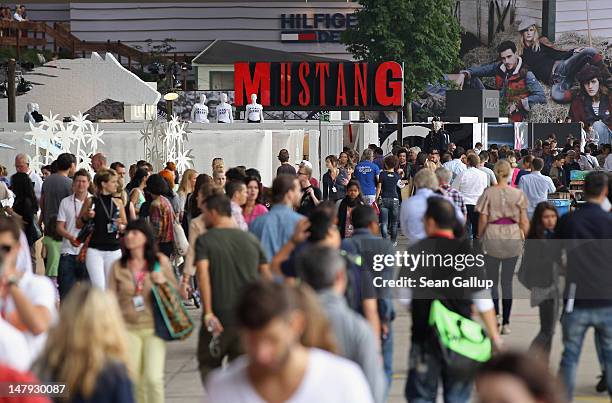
[422, 34]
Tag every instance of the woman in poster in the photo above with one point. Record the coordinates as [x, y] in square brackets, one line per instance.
[593, 105]
[550, 65]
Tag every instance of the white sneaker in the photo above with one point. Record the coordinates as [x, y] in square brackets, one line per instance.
[506, 329]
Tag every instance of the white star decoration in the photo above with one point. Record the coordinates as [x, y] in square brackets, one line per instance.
[165, 141]
[51, 137]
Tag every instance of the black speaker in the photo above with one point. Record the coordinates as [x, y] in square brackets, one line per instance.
[483, 104]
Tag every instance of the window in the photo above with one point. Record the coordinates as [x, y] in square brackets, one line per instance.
[221, 80]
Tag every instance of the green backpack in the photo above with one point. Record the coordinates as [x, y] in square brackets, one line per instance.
[463, 342]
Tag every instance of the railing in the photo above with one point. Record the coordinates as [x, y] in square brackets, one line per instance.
[34, 34]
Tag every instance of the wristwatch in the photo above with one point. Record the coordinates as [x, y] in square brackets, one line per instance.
[12, 280]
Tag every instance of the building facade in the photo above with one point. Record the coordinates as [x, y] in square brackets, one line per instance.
[311, 27]
[484, 18]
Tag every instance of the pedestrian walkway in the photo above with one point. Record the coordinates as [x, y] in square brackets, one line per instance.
[183, 378]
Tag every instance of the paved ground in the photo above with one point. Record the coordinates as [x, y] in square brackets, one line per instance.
[183, 380]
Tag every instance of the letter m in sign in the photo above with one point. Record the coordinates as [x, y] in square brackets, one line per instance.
[247, 83]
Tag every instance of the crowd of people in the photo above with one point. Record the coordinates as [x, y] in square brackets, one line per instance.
[18, 15]
[281, 273]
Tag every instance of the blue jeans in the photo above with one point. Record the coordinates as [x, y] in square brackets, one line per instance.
[387, 354]
[575, 324]
[603, 131]
[426, 367]
[69, 272]
[472, 220]
[389, 216]
[566, 70]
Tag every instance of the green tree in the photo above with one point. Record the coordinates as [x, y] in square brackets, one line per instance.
[422, 34]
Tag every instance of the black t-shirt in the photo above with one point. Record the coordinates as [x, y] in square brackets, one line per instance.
[457, 299]
[286, 169]
[541, 62]
[307, 204]
[105, 234]
[388, 184]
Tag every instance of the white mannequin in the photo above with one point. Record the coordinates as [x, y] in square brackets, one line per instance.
[224, 111]
[254, 111]
[199, 111]
[27, 118]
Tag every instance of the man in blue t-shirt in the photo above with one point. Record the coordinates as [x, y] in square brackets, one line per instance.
[366, 172]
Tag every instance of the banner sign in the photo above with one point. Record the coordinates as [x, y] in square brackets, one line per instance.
[316, 28]
[320, 85]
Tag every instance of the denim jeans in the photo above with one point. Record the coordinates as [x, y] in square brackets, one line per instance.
[369, 199]
[387, 355]
[70, 271]
[566, 70]
[549, 313]
[425, 369]
[389, 217]
[575, 325]
[603, 131]
[472, 220]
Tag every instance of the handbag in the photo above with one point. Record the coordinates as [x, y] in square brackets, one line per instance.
[502, 241]
[172, 322]
[33, 231]
[463, 342]
[181, 243]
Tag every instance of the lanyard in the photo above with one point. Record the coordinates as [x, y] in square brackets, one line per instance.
[108, 214]
[138, 279]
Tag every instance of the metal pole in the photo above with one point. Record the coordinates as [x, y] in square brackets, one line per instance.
[588, 13]
[168, 110]
[400, 126]
[11, 91]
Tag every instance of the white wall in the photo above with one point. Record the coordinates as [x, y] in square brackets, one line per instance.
[572, 17]
[475, 14]
[238, 144]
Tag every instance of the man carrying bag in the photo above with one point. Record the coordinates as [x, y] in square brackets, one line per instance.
[446, 343]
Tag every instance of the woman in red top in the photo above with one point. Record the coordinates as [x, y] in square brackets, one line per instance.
[161, 214]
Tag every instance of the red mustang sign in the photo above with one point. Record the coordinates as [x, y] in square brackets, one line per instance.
[326, 86]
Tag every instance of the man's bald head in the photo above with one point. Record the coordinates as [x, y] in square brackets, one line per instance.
[22, 163]
[98, 162]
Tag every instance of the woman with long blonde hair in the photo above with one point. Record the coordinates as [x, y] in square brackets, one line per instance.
[502, 226]
[186, 187]
[550, 65]
[87, 349]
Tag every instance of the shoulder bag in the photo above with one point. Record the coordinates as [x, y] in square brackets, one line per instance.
[464, 343]
[181, 243]
[172, 322]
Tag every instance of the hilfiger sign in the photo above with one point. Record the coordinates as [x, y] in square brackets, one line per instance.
[315, 27]
[320, 85]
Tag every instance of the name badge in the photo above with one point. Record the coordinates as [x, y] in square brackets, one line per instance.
[138, 302]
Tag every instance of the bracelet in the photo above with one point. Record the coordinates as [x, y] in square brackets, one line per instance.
[208, 316]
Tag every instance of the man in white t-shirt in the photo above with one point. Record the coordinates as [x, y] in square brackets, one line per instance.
[27, 301]
[276, 365]
[70, 269]
[14, 349]
[471, 183]
[22, 164]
